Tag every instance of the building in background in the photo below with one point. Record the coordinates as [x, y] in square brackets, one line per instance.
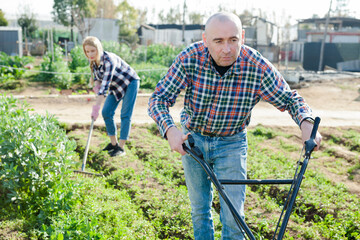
[342, 43]
[260, 36]
[11, 41]
[103, 28]
[174, 34]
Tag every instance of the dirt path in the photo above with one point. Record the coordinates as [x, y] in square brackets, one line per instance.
[337, 102]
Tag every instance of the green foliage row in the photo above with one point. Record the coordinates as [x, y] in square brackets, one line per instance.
[119, 206]
[150, 72]
[39, 193]
[154, 179]
[162, 54]
[104, 213]
[144, 196]
[158, 54]
[150, 62]
[11, 70]
[152, 176]
[323, 210]
[351, 138]
[35, 159]
[55, 70]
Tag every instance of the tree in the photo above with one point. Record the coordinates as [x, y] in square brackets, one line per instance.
[142, 17]
[246, 18]
[128, 17]
[174, 16]
[196, 18]
[73, 13]
[106, 9]
[27, 22]
[83, 9]
[342, 9]
[3, 21]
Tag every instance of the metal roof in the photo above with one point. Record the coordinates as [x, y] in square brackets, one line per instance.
[338, 21]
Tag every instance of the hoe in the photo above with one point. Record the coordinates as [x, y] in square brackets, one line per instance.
[82, 171]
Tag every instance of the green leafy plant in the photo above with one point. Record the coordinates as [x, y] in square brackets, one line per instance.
[149, 74]
[35, 158]
[11, 70]
[121, 49]
[55, 70]
[78, 58]
[162, 54]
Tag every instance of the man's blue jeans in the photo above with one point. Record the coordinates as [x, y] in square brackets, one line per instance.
[127, 108]
[227, 157]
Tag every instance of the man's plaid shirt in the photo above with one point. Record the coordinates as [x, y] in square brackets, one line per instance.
[115, 75]
[221, 105]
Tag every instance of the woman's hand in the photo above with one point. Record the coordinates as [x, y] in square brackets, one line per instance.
[95, 112]
[96, 87]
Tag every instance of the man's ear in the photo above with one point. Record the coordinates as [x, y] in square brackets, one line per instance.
[204, 39]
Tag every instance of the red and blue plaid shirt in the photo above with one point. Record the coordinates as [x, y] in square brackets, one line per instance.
[221, 105]
[115, 75]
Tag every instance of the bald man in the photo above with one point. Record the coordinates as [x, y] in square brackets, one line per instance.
[223, 80]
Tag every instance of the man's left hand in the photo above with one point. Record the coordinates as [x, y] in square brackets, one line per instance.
[306, 129]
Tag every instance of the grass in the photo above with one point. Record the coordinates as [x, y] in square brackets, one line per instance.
[143, 195]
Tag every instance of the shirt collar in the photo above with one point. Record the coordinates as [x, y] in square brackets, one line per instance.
[101, 62]
[102, 59]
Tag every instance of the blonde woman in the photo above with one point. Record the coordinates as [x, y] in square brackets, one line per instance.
[114, 80]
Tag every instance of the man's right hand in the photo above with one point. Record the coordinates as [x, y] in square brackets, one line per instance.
[176, 138]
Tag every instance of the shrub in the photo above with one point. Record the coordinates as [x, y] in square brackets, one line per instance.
[35, 159]
[10, 70]
[14, 62]
[122, 50]
[78, 58]
[7, 80]
[149, 74]
[82, 75]
[162, 54]
[55, 69]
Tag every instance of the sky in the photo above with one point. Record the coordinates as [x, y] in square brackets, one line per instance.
[276, 10]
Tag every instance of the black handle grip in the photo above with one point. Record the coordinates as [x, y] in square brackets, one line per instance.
[191, 141]
[315, 128]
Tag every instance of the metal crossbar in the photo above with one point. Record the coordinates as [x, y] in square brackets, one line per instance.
[310, 144]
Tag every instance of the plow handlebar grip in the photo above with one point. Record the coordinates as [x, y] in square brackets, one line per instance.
[311, 143]
[195, 150]
[315, 128]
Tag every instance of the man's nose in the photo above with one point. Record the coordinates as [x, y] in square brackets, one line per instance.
[226, 47]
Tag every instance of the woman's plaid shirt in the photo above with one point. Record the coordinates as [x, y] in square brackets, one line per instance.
[115, 75]
[221, 105]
